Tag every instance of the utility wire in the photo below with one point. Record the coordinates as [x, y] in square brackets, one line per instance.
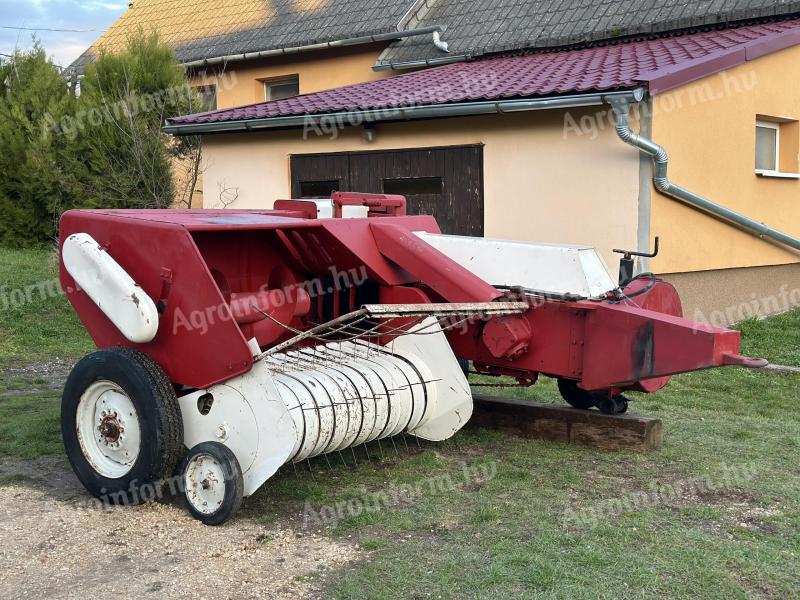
[49, 29]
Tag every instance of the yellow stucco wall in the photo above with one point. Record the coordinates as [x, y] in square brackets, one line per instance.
[242, 83]
[708, 129]
[541, 182]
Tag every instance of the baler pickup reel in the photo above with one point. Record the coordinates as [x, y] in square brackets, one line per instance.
[370, 374]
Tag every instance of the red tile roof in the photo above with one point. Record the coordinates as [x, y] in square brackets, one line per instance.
[661, 64]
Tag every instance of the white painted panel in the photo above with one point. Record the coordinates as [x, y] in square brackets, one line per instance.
[110, 287]
[248, 415]
[554, 268]
[449, 395]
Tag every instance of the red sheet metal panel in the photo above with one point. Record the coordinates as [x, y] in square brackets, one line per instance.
[198, 343]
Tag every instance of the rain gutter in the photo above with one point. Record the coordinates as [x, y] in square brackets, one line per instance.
[418, 64]
[364, 39]
[361, 117]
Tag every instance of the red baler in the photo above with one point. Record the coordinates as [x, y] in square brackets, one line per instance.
[258, 338]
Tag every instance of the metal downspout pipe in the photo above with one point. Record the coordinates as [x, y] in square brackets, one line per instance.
[621, 107]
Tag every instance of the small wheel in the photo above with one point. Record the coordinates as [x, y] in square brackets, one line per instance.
[576, 396]
[121, 425]
[615, 405]
[212, 483]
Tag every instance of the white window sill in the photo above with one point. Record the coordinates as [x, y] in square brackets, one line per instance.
[777, 174]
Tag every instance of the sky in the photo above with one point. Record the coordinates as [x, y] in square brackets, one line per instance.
[62, 46]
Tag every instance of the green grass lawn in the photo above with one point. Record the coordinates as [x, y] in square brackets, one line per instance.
[36, 321]
[714, 514]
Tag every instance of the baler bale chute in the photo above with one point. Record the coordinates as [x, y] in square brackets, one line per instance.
[262, 338]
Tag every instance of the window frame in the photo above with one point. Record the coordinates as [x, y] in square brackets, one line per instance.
[777, 128]
[266, 83]
[199, 89]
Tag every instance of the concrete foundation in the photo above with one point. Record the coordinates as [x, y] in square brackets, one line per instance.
[726, 296]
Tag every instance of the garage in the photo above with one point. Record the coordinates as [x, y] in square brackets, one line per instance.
[444, 182]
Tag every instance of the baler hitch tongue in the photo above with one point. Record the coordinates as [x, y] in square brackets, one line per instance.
[748, 362]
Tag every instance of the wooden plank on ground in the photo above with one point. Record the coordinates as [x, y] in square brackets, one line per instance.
[558, 423]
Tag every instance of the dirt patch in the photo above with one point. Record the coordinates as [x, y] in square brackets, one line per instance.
[55, 546]
[47, 375]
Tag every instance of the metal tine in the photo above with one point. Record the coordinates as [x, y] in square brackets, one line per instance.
[405, 441]
[294, 466]
[395, 446]
[347, 323]
[339, 327]
[344, 462]
[358, 334]
[310, 469]
[330, 468]
[380, 447]
[366, 449]
[355, 460]
[309, 334]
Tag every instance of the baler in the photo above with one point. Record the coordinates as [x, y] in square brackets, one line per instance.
[260, 338]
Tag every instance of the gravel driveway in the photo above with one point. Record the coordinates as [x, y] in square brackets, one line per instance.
[53, 546]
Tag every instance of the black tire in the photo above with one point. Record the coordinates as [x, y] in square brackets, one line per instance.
[161, 429]
[577, 397]
[232, 479]
[616, 405]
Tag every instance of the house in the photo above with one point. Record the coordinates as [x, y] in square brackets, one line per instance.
[245, 51]
[519, 120]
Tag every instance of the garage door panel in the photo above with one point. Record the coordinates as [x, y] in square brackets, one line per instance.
[313, 174]
[444, 182]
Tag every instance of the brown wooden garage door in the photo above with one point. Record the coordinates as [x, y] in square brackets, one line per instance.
[444, 182]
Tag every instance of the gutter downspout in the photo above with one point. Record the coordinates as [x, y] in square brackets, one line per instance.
[416, 64]
[621, 108]
[364, 39]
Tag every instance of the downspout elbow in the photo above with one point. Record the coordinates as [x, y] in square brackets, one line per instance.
[656, 151]
[661, 181]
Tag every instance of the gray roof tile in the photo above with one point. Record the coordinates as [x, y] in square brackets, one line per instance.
[205, 29]
[482, 27]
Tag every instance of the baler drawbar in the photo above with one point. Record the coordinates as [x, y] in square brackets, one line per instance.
[257, 338]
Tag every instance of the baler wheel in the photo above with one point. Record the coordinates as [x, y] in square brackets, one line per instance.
[579, 398]
[212, 482]
[575, 396]
[615, 405]
[121, 425]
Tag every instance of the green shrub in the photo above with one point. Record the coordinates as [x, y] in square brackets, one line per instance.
[102, 148]
[41, 171]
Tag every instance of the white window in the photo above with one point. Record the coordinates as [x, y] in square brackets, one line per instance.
[278, 89]
[768, 140]
[207, 95]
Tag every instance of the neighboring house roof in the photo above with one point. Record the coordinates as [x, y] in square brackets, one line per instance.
[478, 27]
[205, 29]
[660, 64]
[208, 29]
